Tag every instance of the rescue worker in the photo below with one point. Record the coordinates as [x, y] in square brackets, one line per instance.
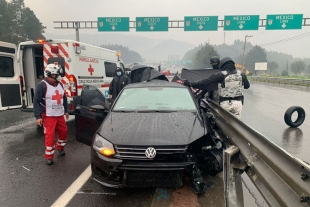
[49, 107]
[215, 61]
[230, 86]
[118, 83]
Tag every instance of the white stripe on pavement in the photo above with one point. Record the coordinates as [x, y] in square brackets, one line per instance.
[66, 197]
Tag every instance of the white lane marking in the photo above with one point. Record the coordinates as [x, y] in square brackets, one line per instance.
[66, 197]
[26, 168]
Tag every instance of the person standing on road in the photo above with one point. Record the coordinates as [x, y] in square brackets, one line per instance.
[230, 86]
[118, 83]
[215, 62]
[159, 67]
[49, 107]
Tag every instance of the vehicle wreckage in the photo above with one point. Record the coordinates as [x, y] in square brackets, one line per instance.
[155, 134]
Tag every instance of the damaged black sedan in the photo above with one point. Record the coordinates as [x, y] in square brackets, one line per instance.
[153, 135]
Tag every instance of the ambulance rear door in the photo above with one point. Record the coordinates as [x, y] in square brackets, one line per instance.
[10, 81]
[33, 70]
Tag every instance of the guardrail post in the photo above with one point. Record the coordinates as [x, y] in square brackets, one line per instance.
[232, 178]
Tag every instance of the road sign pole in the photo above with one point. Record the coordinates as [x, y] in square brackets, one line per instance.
[245, 38]
[77, 35]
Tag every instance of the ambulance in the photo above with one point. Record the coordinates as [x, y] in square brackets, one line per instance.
[82, 64]
[10, 81]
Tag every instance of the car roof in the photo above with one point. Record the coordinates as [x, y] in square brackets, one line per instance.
[155, 83]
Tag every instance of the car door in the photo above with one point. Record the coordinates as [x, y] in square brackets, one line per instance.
[89, 113]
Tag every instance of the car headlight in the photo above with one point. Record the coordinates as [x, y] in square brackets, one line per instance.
[102, 146]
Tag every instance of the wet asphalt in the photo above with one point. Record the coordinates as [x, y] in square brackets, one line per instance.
[264, 109]
[27, 181]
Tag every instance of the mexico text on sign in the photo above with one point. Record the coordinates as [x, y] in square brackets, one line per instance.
[113, 24]
[201, 23]
[241, 22]
[284, 21]
[151, 24]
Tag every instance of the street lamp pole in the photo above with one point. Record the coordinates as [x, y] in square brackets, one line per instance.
[245, 39]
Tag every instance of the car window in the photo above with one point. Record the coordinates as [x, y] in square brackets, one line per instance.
[110, 69]
[122, 66]
[155, 98]
[6, 67]
[91, 96]
[39, 67]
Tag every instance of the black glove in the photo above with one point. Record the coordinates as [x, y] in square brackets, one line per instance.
[186, 83]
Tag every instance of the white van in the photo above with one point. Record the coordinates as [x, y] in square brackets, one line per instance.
[82, 63]
[10, 81]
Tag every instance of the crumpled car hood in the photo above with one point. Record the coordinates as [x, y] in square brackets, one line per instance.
[151, 129]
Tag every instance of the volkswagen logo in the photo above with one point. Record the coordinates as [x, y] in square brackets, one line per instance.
[150, 152]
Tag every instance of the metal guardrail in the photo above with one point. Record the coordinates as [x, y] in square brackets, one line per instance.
[286, 81]
[282, 179]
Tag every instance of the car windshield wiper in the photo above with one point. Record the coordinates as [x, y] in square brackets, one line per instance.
[157, 111]
[125, 111]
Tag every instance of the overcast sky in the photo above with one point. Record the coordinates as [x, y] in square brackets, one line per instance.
[89, 10]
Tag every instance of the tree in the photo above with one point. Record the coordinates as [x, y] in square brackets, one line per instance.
[256, 54]
[128, 56]
[203, 56]
[298, 66]
[190, 56]
[272, 66]
[18, 23]
[308, 69]
[286, 67]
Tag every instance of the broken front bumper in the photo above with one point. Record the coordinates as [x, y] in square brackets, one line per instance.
[117, 173]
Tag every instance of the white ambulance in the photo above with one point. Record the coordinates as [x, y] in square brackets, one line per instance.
[10, 81]
[82, 63]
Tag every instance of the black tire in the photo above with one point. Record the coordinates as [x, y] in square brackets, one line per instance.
[300, 119]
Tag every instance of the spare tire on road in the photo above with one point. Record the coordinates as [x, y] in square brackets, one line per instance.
[288, 116]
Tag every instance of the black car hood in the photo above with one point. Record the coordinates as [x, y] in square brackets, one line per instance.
[175, 128]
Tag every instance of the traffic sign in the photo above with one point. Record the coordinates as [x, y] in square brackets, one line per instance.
[151, 24]
[113, 24]
[283, 21]
[243, 22]
[200, 23]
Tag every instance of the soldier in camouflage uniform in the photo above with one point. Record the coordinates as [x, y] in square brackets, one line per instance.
[231, 83]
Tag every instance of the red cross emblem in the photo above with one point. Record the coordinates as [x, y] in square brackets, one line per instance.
[57, 97]
[91, 70]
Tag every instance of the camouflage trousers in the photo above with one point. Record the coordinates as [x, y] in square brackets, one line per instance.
[234, 107]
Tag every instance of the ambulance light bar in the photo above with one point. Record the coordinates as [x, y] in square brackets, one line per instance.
[42, 41]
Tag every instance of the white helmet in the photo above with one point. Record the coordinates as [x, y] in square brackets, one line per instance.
[53, 69]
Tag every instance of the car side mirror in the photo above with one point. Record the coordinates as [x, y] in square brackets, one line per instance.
[97, 108]
[61, 72]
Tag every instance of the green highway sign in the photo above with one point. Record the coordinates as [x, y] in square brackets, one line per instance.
[152, 24]
[283, 21]
[241, 22]
[200, 23]
[113, 24]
